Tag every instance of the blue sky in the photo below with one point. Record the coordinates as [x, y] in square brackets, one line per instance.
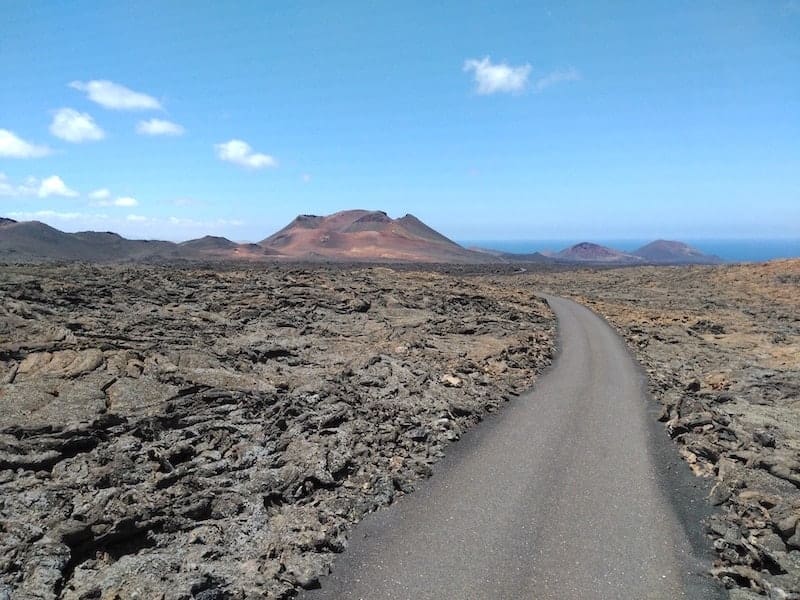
[486, 120]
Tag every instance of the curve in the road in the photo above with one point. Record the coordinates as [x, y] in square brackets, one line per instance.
[572, 492]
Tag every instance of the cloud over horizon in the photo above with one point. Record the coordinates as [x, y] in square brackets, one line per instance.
[115, 96]
[13, 146]
[76, 127]
[241, 153]
[51, 214]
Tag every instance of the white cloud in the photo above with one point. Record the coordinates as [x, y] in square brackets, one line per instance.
[102, 197]
[240, 153]
[13, 146]
[136, 218]
[73, 126]
[49, 186]
[560, 76]
[115, 96]
[101, 194]
[158, 127]
[493, 78]
[55, 186]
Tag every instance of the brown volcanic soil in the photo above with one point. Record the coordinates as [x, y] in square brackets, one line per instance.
[193, 433]
[721, 346]
[355, 235]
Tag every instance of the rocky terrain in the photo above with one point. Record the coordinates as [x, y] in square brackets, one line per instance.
[187, 432]
[175, 432]
[721, 346]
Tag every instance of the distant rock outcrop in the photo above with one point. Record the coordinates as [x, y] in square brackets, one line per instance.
[667, 251]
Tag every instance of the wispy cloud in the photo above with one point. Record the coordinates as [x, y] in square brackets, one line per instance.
[122, 202]
[76, 127]
[13, 146]
[492, 78]
[8, 189]
[556, 77]
[101, 194]
[159, 127]
[102, 197]
[49, 186]
[115, 96]
[53, 214]
[240, 153]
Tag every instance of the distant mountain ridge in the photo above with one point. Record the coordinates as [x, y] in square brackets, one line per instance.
[346, 236]
[35, 241]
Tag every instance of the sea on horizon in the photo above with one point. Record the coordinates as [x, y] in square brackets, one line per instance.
[734, 250]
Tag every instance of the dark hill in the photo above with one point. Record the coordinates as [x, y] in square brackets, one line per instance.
[32, 241]
[589, 252]
[210, 242]
[666, 251]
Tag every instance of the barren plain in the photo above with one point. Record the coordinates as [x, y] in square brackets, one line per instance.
[190, 432]
[193, 433]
